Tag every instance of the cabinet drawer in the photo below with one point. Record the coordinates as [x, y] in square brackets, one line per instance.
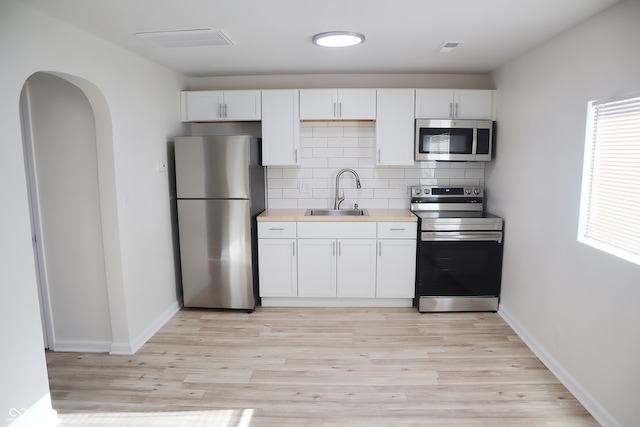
[277, 230]
[397, 230]
[337, 230]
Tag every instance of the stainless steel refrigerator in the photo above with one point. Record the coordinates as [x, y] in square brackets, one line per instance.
[220, 188]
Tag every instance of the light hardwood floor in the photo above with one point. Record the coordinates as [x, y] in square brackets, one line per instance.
[316, 367]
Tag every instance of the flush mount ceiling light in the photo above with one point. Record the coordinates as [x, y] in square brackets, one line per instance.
[338, 39]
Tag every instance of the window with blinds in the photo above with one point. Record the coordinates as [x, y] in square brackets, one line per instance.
[610, 204]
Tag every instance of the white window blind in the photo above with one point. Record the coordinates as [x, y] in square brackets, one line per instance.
[610, 206]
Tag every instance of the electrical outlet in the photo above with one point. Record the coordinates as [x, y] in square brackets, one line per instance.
[304, 187]
[404, 187]
[161, 166]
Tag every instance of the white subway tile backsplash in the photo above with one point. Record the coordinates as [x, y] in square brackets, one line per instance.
[312, 203]
[342, 142]
[360, 131]
[474, 173]
[374, 183]
[389, 173]
[274, 193]
[282, 183]
[399, 203]
[328, 152]
[327, 147]
[366, 142]
[313, 142]
[366, 162]
[274, 173]
[282, 203]
[323, 193]
[342, 162]
[295, 194]
[329, 132]
[449, 173]
[358, 152]
[313, 163]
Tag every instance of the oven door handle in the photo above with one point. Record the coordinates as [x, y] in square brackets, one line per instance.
[461, 236]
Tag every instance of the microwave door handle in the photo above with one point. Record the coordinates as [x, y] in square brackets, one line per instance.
[474, 142]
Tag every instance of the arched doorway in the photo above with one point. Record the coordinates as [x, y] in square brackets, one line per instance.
[62, 137]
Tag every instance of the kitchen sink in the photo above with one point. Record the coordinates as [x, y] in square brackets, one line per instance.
[336, 212]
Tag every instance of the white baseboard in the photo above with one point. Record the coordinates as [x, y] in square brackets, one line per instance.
[336, 302]
[81, 346]
[41, 414]
[604, 417]
[137, 343]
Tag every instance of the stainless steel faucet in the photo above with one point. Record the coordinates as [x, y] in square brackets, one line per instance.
[339, 199]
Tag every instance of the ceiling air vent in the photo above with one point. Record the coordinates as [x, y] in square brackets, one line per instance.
[186, 38]
[447, 47]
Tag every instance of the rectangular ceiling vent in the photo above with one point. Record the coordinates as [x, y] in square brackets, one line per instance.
[447, 47]
[187, 38]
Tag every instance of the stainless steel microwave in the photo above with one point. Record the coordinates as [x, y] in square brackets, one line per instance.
[454, 140]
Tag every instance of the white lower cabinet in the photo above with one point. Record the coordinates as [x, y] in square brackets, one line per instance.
[356, 268]
[352, 261]
[278, 267]
[343, 268]
[396, 273]
[277, 259]
[396, 269]
[317, 267]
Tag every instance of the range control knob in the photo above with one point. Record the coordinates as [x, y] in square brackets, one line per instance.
[467, 191]
[426, 190]
[476, 191]
[416, 191]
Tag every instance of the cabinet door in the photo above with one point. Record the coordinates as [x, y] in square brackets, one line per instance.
[396, 271]
[473, 104]
[280, 128]
[317, 267]
[394, 127]
[318, 104]
[356, 268]
[357, 104]
[434, 104]
[242, 105]
[278, 267]
[201, 106]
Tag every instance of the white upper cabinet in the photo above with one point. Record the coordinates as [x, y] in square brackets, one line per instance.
[394, 127]
[280, 128]
[338, 104]
[217, 105]
[455, 104]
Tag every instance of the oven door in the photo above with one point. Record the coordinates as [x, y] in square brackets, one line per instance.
[459, 270]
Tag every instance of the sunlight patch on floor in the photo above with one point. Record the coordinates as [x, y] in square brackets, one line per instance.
[211, 418]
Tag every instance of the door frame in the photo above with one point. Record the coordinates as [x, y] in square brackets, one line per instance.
[44, 295]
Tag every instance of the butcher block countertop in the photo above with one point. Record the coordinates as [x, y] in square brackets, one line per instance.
[375, 215]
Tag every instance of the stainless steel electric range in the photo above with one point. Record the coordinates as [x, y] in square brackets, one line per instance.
[459, 255]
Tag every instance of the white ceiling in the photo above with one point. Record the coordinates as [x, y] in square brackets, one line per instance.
[274, 36]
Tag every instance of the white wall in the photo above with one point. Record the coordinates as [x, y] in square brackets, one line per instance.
[137, 110]
[578, 307]
[64, 142]
[301, 81]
